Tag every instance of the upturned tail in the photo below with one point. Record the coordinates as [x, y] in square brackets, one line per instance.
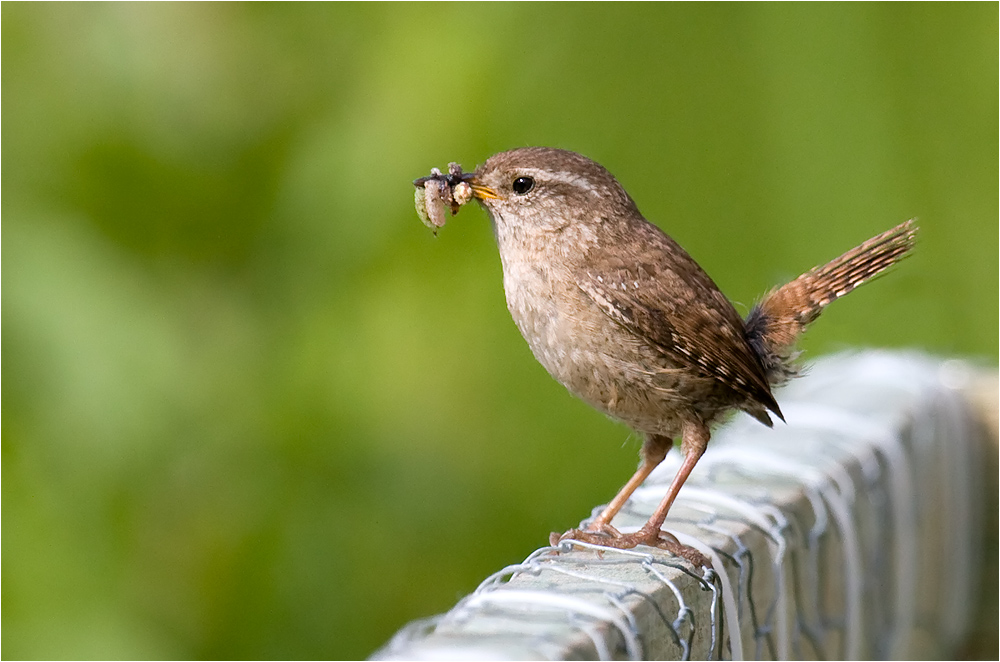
[776, 322]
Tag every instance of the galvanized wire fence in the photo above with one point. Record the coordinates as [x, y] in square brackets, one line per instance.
[852, 532]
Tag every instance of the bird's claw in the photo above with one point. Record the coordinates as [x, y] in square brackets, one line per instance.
[606, 535]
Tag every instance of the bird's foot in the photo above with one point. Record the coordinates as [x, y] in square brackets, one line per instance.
[606, 535]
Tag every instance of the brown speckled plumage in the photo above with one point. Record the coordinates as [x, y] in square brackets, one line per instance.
[622, 316]
[779, 319]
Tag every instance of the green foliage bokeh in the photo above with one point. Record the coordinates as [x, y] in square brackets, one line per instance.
[252, 408]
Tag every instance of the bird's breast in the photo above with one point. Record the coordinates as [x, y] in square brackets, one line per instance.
[571, 338]
[595, 358]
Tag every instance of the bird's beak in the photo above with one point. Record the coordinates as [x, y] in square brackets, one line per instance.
[480, 191]
[484, 192]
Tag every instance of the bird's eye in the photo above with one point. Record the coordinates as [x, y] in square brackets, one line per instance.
[523, 184]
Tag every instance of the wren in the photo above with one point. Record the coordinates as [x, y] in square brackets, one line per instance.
[624, 318]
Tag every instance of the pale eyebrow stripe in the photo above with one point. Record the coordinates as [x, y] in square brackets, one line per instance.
[560, 176]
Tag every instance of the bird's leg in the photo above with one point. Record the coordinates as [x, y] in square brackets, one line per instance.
[654, 449]
[694, 439]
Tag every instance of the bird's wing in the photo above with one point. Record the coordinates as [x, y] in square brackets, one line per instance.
[657, 291]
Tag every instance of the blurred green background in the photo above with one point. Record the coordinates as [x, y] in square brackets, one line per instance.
[252, 408]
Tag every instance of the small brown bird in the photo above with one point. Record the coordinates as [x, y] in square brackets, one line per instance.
[626, 320]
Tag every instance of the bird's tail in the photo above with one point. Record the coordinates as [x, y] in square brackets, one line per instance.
[776, 322]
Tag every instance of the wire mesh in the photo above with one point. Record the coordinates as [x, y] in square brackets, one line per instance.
[849, 533]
